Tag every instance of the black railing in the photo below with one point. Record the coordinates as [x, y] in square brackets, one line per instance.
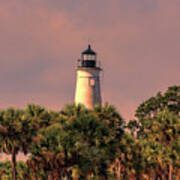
[88, 63]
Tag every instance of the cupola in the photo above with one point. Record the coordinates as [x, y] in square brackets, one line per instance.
[88, 58]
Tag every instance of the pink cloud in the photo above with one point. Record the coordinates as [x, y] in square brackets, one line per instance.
[137, 43]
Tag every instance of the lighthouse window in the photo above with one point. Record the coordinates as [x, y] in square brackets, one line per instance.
[93, 57]
[92, 82]
[85, 57]
[89, 57]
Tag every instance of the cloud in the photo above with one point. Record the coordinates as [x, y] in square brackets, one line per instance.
[40, 40]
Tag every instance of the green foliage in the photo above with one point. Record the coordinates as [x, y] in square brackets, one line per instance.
[19, 129]
[170, 100]
[78, 143]
[6, 170]
[83, 143]
[158, 132]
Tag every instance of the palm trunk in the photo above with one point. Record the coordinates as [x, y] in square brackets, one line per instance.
[170, 172]
[177, 177]
[118, 170]
[13, 162]
[163, 176]
[50, 176]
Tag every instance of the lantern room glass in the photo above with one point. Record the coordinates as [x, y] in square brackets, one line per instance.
[89, 57]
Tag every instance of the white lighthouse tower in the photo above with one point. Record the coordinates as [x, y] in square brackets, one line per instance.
[88, 90]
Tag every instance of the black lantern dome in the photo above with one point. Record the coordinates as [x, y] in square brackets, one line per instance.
[88, 58]
[89, 51]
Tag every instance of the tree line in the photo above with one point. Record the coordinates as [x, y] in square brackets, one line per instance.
[76, 143]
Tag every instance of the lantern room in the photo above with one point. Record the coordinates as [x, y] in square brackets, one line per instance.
[88, 58]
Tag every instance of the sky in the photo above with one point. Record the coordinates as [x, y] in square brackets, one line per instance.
[137, 41]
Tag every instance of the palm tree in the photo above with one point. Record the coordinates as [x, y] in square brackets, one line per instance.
[109, 115]
[40, 117]
[19, 131]
[92, 143]
[76, 143]
[72, 111]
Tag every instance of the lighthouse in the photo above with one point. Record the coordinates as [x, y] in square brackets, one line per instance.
[88, 91]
